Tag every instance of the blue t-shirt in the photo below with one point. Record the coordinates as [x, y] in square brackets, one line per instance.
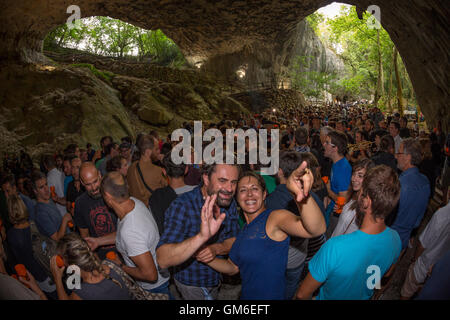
[261, 261]
[342, 263]
[67, 180]
[48, 218]
[340, 178]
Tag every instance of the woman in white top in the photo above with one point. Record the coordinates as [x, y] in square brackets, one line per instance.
[347, 219]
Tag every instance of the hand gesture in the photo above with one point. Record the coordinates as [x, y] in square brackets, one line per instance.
[92, 242]
[211, 218]
[300, 182]
[57, 272]
[206, 254]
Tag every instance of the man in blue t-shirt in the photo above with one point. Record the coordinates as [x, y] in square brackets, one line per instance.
[335, 147]
[349, 267]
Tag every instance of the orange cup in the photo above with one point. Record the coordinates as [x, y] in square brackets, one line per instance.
[70, 224]
[21, 270]
[111, 255]
[52, 190]
[325, 179]
[340, 202]
[59, 261]
[73, 205]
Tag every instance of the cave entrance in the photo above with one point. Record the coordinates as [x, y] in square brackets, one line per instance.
[108, 37]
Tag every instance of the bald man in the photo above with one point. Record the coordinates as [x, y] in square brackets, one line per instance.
[137, 235]
[92, 216]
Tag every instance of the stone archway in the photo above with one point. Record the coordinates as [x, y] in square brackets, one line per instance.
[222, 29]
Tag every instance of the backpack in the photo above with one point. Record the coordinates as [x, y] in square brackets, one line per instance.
[136, 290]
[44, 248]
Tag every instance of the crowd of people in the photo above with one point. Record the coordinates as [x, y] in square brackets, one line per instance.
[351, 191]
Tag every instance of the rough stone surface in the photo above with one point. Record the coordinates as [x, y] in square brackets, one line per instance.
[206, 30]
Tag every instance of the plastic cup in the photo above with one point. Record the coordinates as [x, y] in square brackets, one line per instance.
[111, 255]
[340, 202]
[21, 270]
[59, 261]
[325, 179]
[73, 205]
[70, 224]
[52, 190]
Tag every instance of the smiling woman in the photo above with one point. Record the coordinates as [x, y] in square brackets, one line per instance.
[267, 234]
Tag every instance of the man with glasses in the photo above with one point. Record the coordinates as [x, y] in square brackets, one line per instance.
[415, 190]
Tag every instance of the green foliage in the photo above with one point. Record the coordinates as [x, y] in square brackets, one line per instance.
[112, 37]
[102, 75]
[311, 83]
[314, 20]
[358, 46]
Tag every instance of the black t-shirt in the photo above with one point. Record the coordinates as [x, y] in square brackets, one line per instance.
[94, 215]
[19, 242]
[159, 202]
[73, 193]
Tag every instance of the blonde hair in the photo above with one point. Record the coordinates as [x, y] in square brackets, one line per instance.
[75, 251]
[17, 210]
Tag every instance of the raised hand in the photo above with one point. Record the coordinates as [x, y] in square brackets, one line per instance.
[300, 182]
[92, 242]
[211, 218]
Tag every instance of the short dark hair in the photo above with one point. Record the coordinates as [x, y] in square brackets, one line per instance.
[71, 149]
[114, 164]
[301, 136]
[396, 124]
[102, 140]
[116, 185]
[35, 176]
[339, 139]
[173, 170]
[382, 186]
[48, 161]
[126, 139]
[289, 161]
[413, 147]
[386, 143]
[9, 178]
[258, 177]
[110, 147]
[146, 142]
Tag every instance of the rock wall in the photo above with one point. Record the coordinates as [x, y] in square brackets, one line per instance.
[210, 29]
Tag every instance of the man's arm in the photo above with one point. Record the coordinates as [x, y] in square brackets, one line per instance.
[145, 269]
[224, 266]
[334, 196]
[62, 228]
[172, 254]
[94, 243]
[306, 290]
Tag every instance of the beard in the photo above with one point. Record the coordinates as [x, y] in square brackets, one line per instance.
[221, 202]
[95, 196]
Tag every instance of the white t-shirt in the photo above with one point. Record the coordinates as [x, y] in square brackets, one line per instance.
[56, 178]
[435, 238]
[137, 233]
[347, 221]
[184, 189]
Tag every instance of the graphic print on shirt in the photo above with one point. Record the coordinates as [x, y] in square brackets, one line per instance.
[101, 221]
